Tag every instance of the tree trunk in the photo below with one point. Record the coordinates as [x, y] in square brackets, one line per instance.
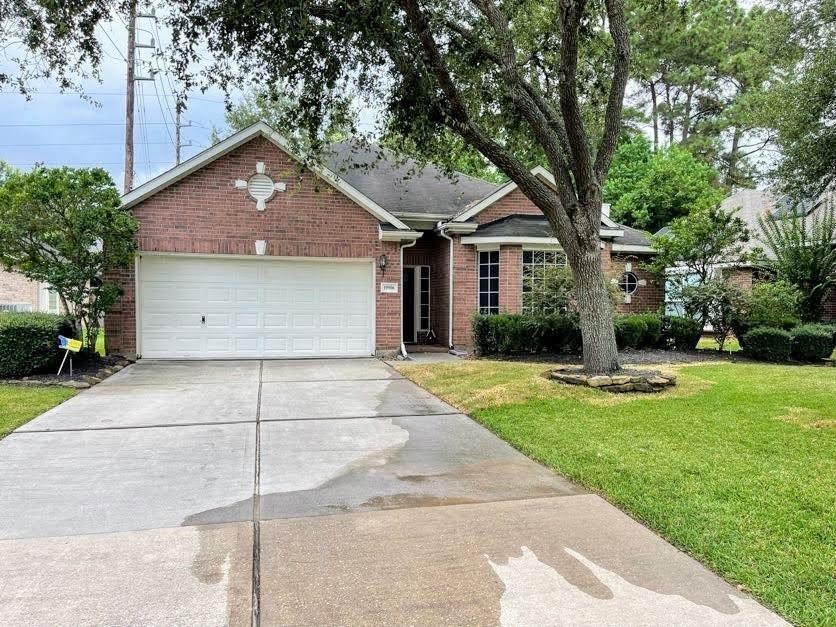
[731, 173]
[686, 118]
[600, 353]
[654, 113]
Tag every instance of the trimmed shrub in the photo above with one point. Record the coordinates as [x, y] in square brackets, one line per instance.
[555, 333]
[483, 338]
[768, 304]
[629, 331]
[680, 332]
[652, 330]
[507, 334]
[768, 344]
[811, 342]
[29, 342]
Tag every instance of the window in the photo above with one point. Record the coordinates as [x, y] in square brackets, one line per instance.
[424, 298]
[489, 282]
[535, 266]
[628, 283]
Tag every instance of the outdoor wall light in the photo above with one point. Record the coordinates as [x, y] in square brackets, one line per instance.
[381, 263]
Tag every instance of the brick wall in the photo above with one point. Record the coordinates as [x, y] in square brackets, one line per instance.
[203, 213]
[830, 305]
[743, 278]
[510, 279]
[464, 291]
[16, 288]
[648, 297]
[514, 202]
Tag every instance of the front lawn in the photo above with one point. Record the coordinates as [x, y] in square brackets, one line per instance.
[736, 465]
[19, 404]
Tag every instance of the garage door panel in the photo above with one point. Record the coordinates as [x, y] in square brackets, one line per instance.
[246, 321]
[275, 321]
[264, 308]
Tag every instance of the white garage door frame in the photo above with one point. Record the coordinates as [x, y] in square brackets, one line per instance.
[371, 262]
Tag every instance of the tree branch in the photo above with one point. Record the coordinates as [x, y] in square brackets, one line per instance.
[570, 17]
[621, 71]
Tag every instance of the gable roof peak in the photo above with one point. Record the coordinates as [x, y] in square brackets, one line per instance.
[239, 138]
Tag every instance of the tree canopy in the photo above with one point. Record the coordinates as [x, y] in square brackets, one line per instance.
[801, 105]
[64, 227]
[648, 189]
[499, 77]
[803, 253]
[702, 66]
[41, 39]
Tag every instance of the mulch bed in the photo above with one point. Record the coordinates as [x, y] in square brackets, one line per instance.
[637, 357]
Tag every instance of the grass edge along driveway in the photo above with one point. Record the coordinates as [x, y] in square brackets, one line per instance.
[736, 465]
[20, 404]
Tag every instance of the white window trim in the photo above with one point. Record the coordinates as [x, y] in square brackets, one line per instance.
[479, 277]
[417, 300]
[534, 249]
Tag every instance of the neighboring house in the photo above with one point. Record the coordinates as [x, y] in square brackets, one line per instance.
[750, 205]
[244, 253]
[17, 293]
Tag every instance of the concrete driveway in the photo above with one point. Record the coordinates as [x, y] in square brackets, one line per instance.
[314, 492]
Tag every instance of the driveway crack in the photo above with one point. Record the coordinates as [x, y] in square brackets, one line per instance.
[256, 575]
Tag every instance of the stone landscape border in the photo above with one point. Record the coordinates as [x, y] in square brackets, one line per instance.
[624, 381]
[80, 382]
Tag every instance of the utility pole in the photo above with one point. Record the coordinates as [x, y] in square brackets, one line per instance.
[177, 135]
[129, 98]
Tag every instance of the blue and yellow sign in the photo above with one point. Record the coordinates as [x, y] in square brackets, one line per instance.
[68, 344]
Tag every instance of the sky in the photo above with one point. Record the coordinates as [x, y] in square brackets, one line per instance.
[64, 129]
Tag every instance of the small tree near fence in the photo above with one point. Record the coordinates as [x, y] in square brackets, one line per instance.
[803, 251]
[64, 226]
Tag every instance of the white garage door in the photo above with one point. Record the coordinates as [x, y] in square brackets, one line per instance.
[208, 308]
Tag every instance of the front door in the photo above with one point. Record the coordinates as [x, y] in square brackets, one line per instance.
[409, 304]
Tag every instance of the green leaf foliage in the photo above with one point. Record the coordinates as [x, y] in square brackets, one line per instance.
[29, 342]
[695, 244]
[803, 254]
[811, 342]
[66, 227]
[768, 344]
[649, 189]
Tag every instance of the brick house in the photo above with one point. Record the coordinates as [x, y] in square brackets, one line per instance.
[750, 205]
[244, 252]
[17, 293]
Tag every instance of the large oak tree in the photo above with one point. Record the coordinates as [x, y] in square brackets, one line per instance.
[486, 71]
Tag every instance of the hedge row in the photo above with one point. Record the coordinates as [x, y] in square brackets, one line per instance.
[29, 342]
[808, 342]
[507, 334]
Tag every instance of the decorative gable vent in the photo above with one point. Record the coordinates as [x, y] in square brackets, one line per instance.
[260, 186]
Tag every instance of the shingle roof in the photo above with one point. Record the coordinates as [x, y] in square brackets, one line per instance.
[402, 185]
[520, 225]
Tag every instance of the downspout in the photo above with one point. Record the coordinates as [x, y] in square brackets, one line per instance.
[403, 344]
[450, 289]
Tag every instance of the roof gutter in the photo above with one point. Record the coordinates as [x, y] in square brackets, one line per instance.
[402, 246]
[442, 232]
[398, 236]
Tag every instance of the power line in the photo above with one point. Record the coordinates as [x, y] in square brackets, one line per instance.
[37, 124]
[171, 94]
[78, 144]
[59, 163]
[113, 42]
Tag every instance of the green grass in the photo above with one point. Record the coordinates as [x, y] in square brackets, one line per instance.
[19, 404]
[736, 465]
[708, 343]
